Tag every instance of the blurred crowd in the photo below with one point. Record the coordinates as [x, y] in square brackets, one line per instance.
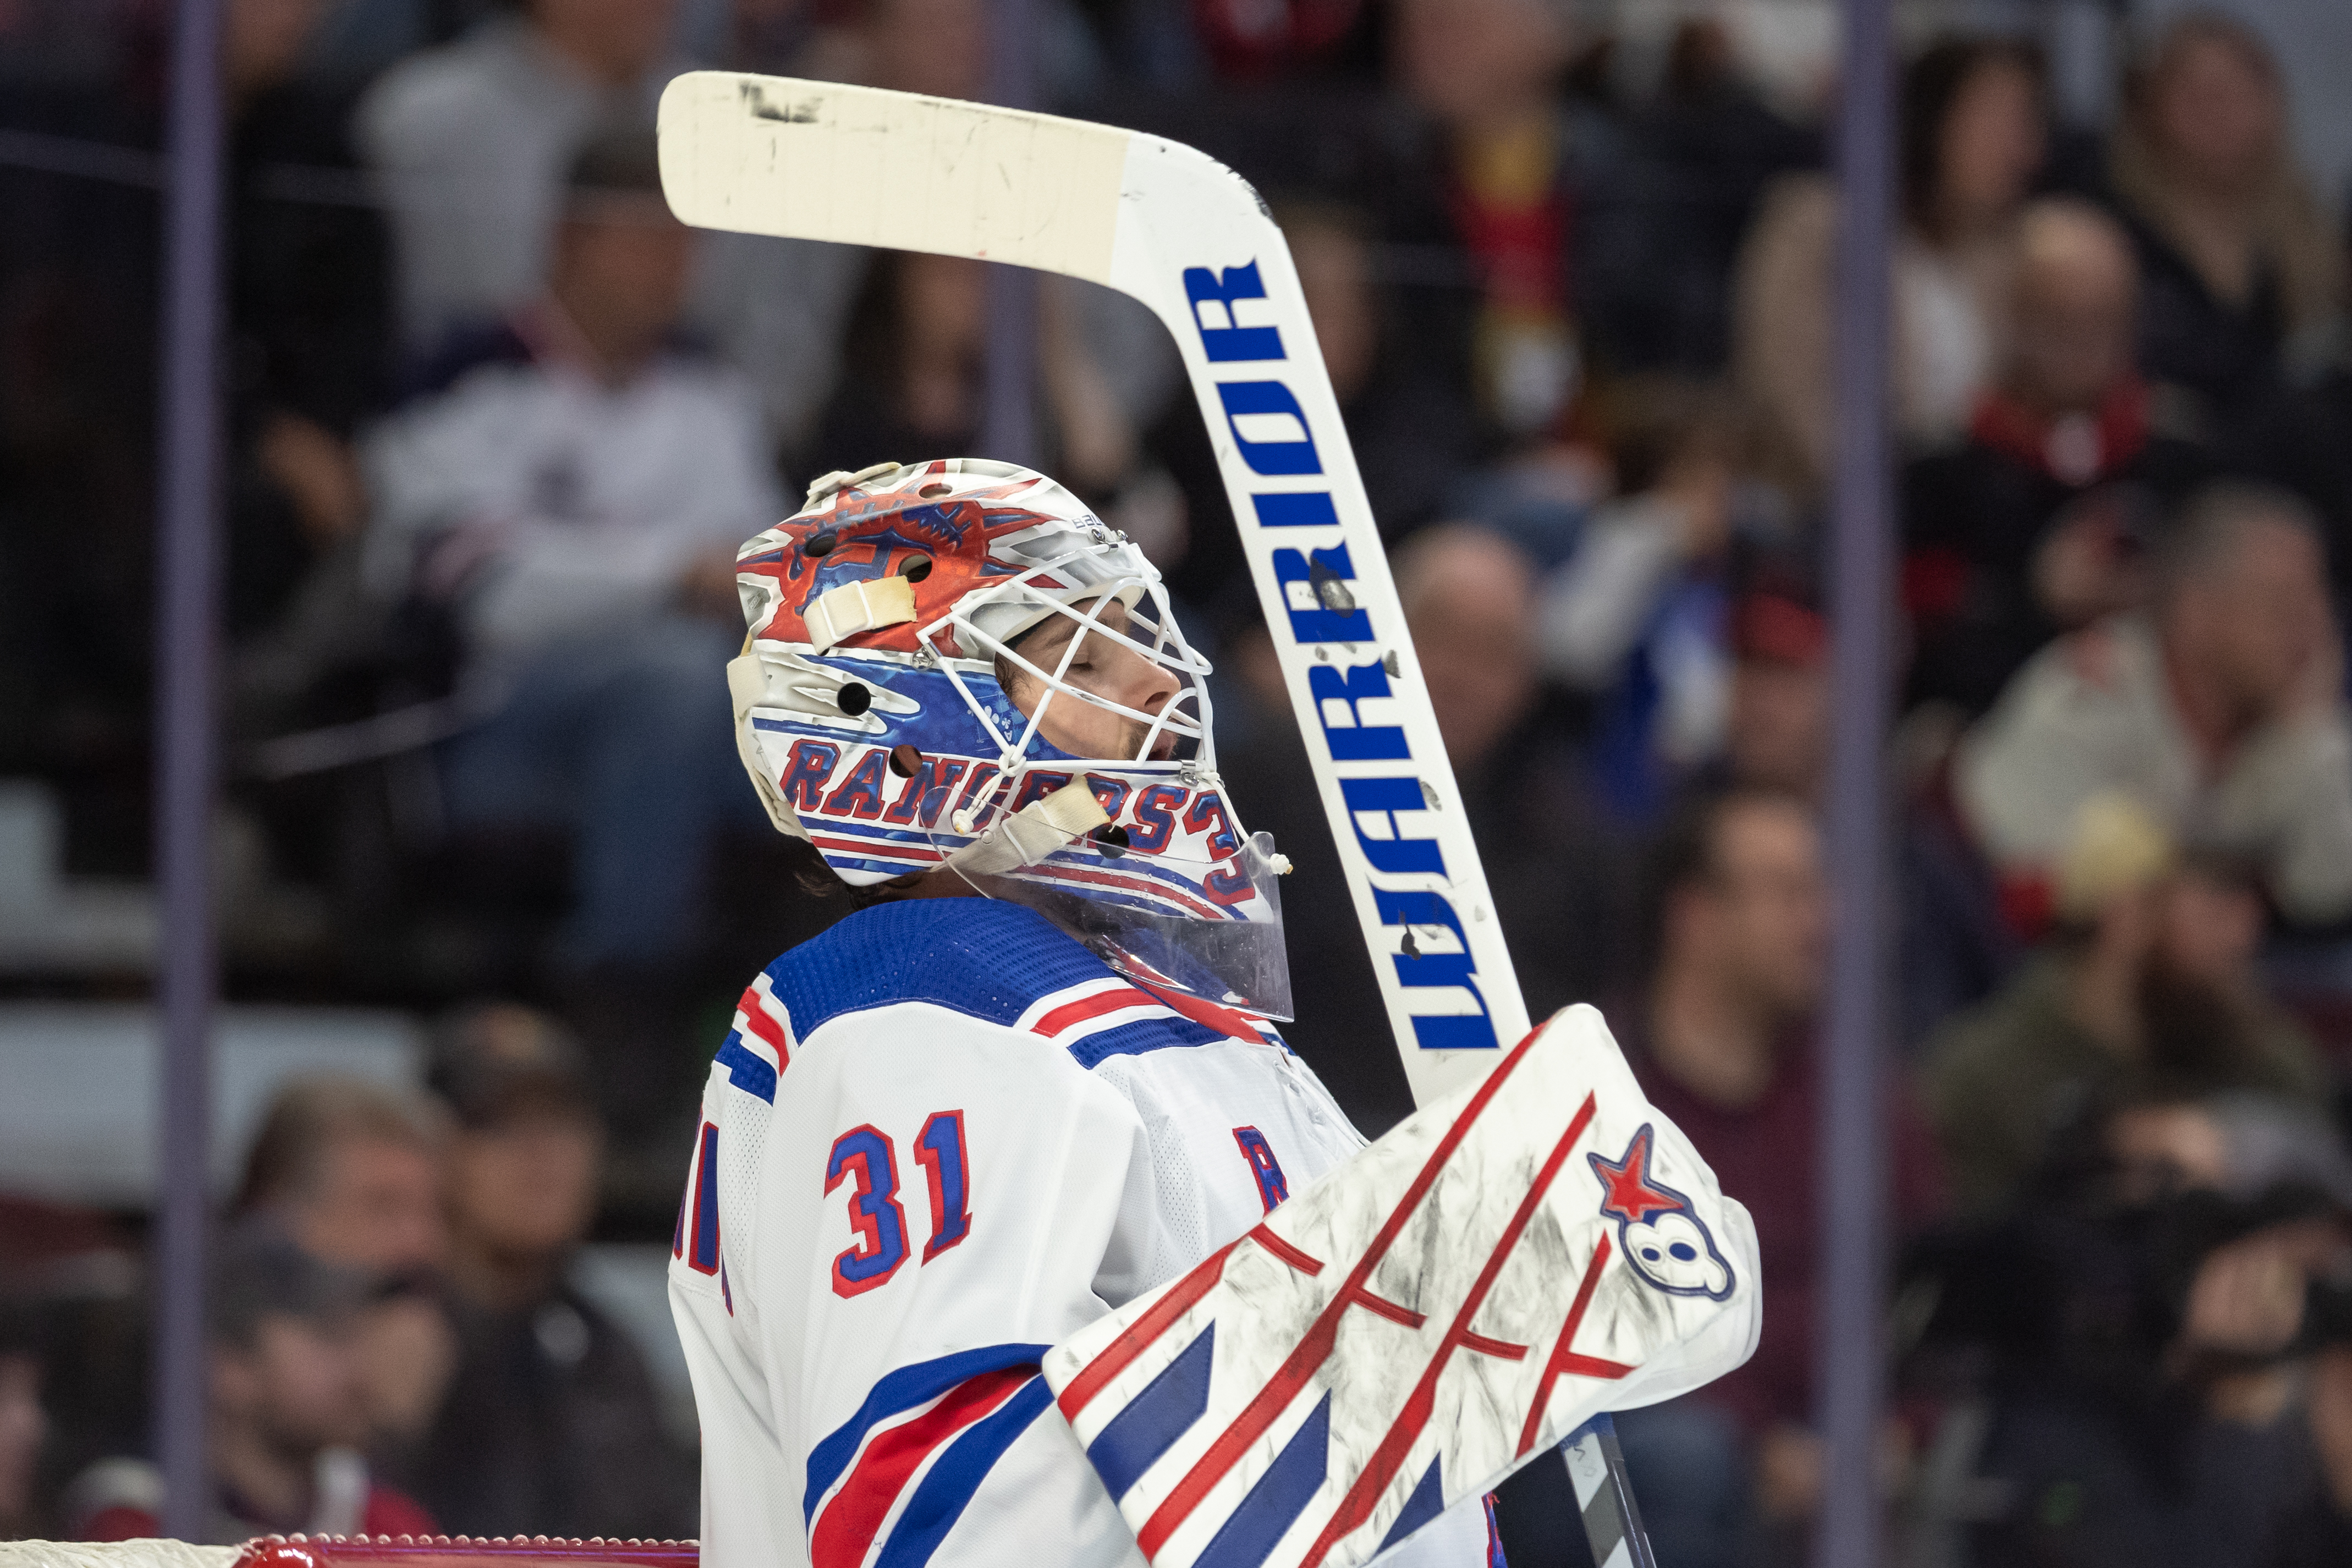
[496, 423]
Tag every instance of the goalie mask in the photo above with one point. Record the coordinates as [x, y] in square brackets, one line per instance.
[888, 620]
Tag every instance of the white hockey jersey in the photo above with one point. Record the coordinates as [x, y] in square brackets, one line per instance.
[940, 1138]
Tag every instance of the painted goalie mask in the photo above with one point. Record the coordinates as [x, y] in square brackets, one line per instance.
[888, 620]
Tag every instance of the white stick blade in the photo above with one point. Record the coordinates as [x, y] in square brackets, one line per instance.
[806, 160]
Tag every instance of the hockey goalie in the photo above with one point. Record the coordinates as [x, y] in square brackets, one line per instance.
[1015, 1234]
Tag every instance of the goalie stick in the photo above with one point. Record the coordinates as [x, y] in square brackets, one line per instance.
[1179, 231]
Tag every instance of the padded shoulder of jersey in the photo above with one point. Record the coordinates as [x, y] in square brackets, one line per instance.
[981, 957]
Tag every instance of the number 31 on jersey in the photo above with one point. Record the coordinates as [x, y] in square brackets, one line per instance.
[864, 1155]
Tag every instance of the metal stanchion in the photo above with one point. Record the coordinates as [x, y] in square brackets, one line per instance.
[186, 596]
[1850, 1384]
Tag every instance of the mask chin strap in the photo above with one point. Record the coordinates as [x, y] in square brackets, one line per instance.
[1030, 834]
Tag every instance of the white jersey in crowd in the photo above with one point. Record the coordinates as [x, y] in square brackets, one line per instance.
[553, 504]
[940, 1138]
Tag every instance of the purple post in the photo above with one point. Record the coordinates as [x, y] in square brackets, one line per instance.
[1009, 427]
[1850, 1354]
[186, 584]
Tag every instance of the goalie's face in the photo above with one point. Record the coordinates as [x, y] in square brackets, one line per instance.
[1098, 695]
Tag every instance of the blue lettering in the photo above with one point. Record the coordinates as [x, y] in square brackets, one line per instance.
[1233, 340]
[1312, 619]
[1381, 799]
[1295, 509]
[1244, 398]
[1344, 731]
[1437, 1031]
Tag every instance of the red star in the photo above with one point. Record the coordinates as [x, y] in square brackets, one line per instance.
[1629, 1195]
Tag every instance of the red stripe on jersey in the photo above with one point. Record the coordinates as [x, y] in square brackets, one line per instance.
[847, 1528]
[1238, 1025]
[761, 1022]
[1093, 1007]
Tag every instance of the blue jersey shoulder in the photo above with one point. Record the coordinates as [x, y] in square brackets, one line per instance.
[980, 957]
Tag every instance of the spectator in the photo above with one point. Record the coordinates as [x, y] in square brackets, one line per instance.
[1737, 921]
[1776, 735]
[2241, 272]
[2149, 990]
[289, 1408]
[552, 1425]
[2219, 713]
[1973, 135]
[23, 1423]
[2036, 523]
[2321, 1533]
[1638, 615]
[1662, 222]
[2149, 1320]
[1411, 437]
[1485, 74]
[309, 286]
[573, 489]
[351, 1172]
[919, 384]
[471, 142]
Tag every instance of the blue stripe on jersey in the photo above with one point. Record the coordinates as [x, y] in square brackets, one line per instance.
[944, 1493]
[1137, 1038]
[978, 956]
[899, 1391]
[752, 1072]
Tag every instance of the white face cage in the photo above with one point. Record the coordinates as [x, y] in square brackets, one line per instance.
[992, 624]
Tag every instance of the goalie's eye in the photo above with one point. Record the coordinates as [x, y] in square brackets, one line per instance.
[1684, 1251]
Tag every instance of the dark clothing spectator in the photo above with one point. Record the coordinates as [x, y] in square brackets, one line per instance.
[552, 1427]
[1764, 1154]
[1664, 216]
[310, 345]
[287, 1408]
[2098, 1486]
[2243, 276]
[2227, 352]
[2316, 1535]
[1976, 517]
[2005, 1075]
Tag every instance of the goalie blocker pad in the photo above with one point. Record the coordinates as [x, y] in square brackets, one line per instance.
[1453, 1302]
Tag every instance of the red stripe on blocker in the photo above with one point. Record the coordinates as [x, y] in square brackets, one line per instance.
[1314, 1348]
[1390, 1456]
[847, 1528]
[1564, 1359]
